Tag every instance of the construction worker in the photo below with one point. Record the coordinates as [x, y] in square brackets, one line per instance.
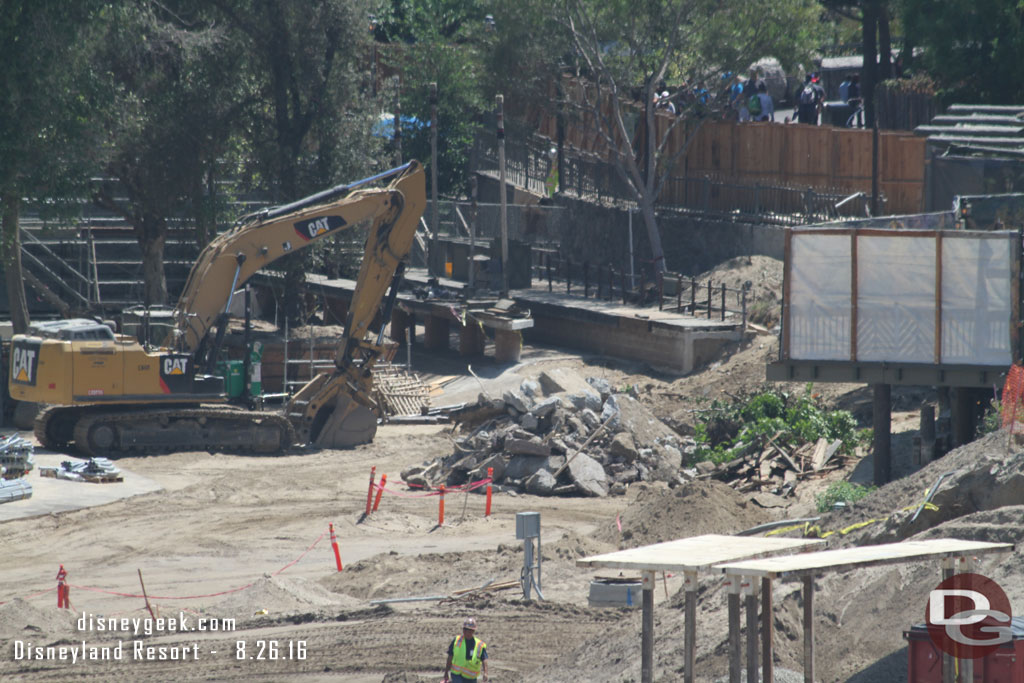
[467, 656]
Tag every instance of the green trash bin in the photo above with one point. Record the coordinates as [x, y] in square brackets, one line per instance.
[232, 373]
[256, 369]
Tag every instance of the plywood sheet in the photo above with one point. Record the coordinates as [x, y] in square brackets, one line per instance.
[867, 556]
[692, 554]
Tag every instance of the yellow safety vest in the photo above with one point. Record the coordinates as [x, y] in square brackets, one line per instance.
[467, 668]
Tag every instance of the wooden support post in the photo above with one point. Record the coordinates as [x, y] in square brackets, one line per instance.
[927, 453]
[767, 666]
[547, 259]
[436, 332]
[948, 668]
[399, 321]
[507, 346]
[808, 596]
[750, 597]
[679, 293]
[709, 299]
[723, 301]
[690, 642]
[693, 296]
[734, 628]
[471, 339]
[881, 414]
[647, 634]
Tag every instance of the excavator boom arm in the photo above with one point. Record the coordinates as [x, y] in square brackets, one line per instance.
[262, 238]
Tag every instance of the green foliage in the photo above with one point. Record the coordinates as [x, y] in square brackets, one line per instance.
[729, 429]
[973, 48]
[992, 420]
[841, 491]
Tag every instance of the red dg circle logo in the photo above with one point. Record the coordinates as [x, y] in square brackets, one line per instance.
[968, 616]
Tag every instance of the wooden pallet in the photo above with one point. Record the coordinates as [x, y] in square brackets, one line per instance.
[399, 391]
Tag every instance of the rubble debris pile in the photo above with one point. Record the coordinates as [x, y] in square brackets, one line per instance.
[561, 435]
[95, 470]
[774, 469]
[16, 457]
[16, 460]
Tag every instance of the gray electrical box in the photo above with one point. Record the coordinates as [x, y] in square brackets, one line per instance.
[527, 525]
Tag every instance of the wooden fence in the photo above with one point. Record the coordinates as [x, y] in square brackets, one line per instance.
[777, 154]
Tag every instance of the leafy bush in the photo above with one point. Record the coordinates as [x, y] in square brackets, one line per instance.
[992, 420]
[729, 429]
[844, 491]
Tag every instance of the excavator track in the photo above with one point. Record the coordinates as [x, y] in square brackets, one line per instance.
[148, 431]
[54, 426]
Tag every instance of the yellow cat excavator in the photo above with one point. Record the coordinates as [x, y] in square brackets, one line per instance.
[111, 395]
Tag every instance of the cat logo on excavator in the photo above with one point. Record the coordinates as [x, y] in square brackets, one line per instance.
[24, 361]
[315, 227]
[175, 365]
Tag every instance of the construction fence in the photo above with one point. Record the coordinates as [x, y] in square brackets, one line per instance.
[794, 157]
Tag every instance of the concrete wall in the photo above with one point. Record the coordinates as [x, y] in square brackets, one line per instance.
[693, 245]
[669, 347]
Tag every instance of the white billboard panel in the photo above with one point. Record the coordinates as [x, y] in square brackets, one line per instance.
[897, 309]
[976, 301]
[819, 295]
[896, 299]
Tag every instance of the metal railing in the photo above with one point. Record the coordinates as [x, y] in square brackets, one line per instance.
[589, 177]
[669, 291]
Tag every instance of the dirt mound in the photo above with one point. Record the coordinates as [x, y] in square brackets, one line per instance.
[275, 596]
[701, 507]
[983, 476]
[21, 620]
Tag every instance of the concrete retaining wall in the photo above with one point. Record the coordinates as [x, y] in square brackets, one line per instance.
[671, 347]
[692, 244]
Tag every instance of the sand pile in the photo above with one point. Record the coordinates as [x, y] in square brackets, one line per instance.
[21, 620]
[700, 507]
[281, 596]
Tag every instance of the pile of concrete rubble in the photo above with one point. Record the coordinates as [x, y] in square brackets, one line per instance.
[16, 460]
[96, 470]
[560, 435]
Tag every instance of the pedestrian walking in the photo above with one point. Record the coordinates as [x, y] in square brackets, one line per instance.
[467, 656]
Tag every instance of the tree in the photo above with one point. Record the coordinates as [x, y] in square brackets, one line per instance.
[177, 98]
[309, 124]
[972, 48]
[876, 45]
[47, 142]
[442, 42]
[619, 45]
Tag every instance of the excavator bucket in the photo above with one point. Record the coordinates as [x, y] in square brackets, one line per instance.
[349, 424]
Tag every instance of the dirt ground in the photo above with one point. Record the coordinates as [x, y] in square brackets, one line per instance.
[246, 538]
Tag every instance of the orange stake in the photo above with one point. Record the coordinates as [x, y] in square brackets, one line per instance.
[380, 490]
[369, 491]
[334, 544]
[62, 594]
[440, 512]
[490, 478]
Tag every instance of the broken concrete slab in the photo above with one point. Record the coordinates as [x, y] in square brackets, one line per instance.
[564, 380]
[588, 475]
[522, 466]
[523, 447]
[622, 447]
[517, 401]
[540, 483]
